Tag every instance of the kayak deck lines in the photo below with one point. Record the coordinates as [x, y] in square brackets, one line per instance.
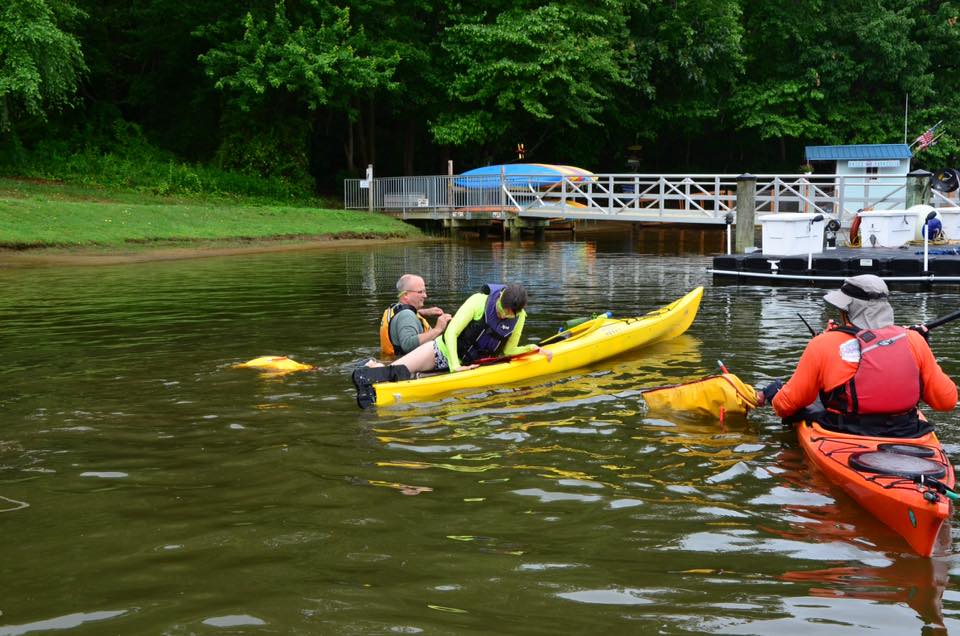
[897, 480]
[851, 449]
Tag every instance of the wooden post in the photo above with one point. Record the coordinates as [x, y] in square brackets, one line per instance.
[746, 212]
[450, 202]
[503, 185]
[370, 188]
[918, 188]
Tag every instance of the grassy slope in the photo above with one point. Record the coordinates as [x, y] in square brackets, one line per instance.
[48, 215]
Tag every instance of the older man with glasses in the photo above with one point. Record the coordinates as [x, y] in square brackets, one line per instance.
[404, 326]
[487, 325]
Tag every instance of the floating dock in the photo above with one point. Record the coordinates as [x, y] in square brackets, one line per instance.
[904, 264]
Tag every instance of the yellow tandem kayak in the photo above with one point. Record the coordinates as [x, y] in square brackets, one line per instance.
[588, 342]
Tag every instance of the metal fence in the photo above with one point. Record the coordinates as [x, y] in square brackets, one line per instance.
[636, 197]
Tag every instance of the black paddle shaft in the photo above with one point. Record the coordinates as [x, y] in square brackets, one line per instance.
[944, 320]
[930, 325]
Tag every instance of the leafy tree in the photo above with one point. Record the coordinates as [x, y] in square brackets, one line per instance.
[838, 78]
[935, 93]
[404, 30]
[780, 95]
[304, 87]
[305, 55]
[143, 66]
[689, 55]
[41, 62]
[541, 67]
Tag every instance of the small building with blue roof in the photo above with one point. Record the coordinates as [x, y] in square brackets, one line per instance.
[871, 171]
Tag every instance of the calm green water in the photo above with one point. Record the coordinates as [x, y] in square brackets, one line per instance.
[148, 487]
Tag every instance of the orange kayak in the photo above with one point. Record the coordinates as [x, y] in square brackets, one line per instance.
[890, 477]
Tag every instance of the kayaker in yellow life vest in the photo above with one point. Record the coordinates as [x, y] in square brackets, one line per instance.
[488, 324]
[404, 326]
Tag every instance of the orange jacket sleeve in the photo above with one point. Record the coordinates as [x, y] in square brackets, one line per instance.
[939, 391]
[804, 386]
[821, 367]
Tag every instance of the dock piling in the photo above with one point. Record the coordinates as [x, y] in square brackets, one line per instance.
[746, 212]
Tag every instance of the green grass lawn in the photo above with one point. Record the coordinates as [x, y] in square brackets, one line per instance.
[36, 215]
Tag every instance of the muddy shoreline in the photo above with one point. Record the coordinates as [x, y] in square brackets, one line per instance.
[121, 255]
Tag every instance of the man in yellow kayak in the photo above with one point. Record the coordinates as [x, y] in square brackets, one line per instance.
[487, 325]
[404, 326]
[869, 373]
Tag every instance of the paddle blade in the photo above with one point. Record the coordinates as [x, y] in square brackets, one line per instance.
[711, 395]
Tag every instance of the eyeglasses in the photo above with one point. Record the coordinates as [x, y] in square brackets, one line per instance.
[415, 291]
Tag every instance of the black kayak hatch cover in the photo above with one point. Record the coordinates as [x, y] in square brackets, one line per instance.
[896, 464]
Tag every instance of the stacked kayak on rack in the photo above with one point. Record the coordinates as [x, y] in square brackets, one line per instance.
[586, 343]
[903, 482]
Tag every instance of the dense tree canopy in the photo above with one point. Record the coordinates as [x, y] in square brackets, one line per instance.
[40, 60]
[553, 66]
[313, 90]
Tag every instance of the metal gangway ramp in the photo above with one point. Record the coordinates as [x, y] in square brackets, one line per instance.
[645, 198]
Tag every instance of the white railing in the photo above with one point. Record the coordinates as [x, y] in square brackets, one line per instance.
[631, 197]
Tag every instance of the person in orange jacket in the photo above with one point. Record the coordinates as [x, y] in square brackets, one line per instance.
[869, 374]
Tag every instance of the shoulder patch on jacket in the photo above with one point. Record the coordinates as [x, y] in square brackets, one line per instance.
[850, 351]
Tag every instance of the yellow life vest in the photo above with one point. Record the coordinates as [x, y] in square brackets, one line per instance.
[706, 396]
[386, 345]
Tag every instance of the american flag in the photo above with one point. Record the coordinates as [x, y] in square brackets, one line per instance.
[926, 138]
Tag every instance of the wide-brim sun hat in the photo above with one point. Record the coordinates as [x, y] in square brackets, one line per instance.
[865, 299]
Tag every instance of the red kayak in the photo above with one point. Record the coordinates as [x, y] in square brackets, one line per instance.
[899, 481]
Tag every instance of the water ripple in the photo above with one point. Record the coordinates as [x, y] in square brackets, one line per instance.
[165, 476]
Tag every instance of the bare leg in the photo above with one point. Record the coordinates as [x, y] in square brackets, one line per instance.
[420, 359]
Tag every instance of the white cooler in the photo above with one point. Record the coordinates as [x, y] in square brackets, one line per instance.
[890, 228]
[791, 233]
[950, 218]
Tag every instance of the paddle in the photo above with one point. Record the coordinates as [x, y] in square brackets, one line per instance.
[939, 322]
[944, 320]
[812, 332]
[482, 362]
[583, 326]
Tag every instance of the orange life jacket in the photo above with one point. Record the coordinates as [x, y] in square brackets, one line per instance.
[387, 346]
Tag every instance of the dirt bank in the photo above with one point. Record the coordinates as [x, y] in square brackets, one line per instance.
[144, 254]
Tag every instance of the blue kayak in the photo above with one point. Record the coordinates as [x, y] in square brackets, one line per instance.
[534, 175]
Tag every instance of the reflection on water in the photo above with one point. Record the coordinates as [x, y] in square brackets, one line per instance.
[154, 488]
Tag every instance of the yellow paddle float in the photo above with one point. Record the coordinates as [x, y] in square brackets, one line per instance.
[716, 395]
[274, 364]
